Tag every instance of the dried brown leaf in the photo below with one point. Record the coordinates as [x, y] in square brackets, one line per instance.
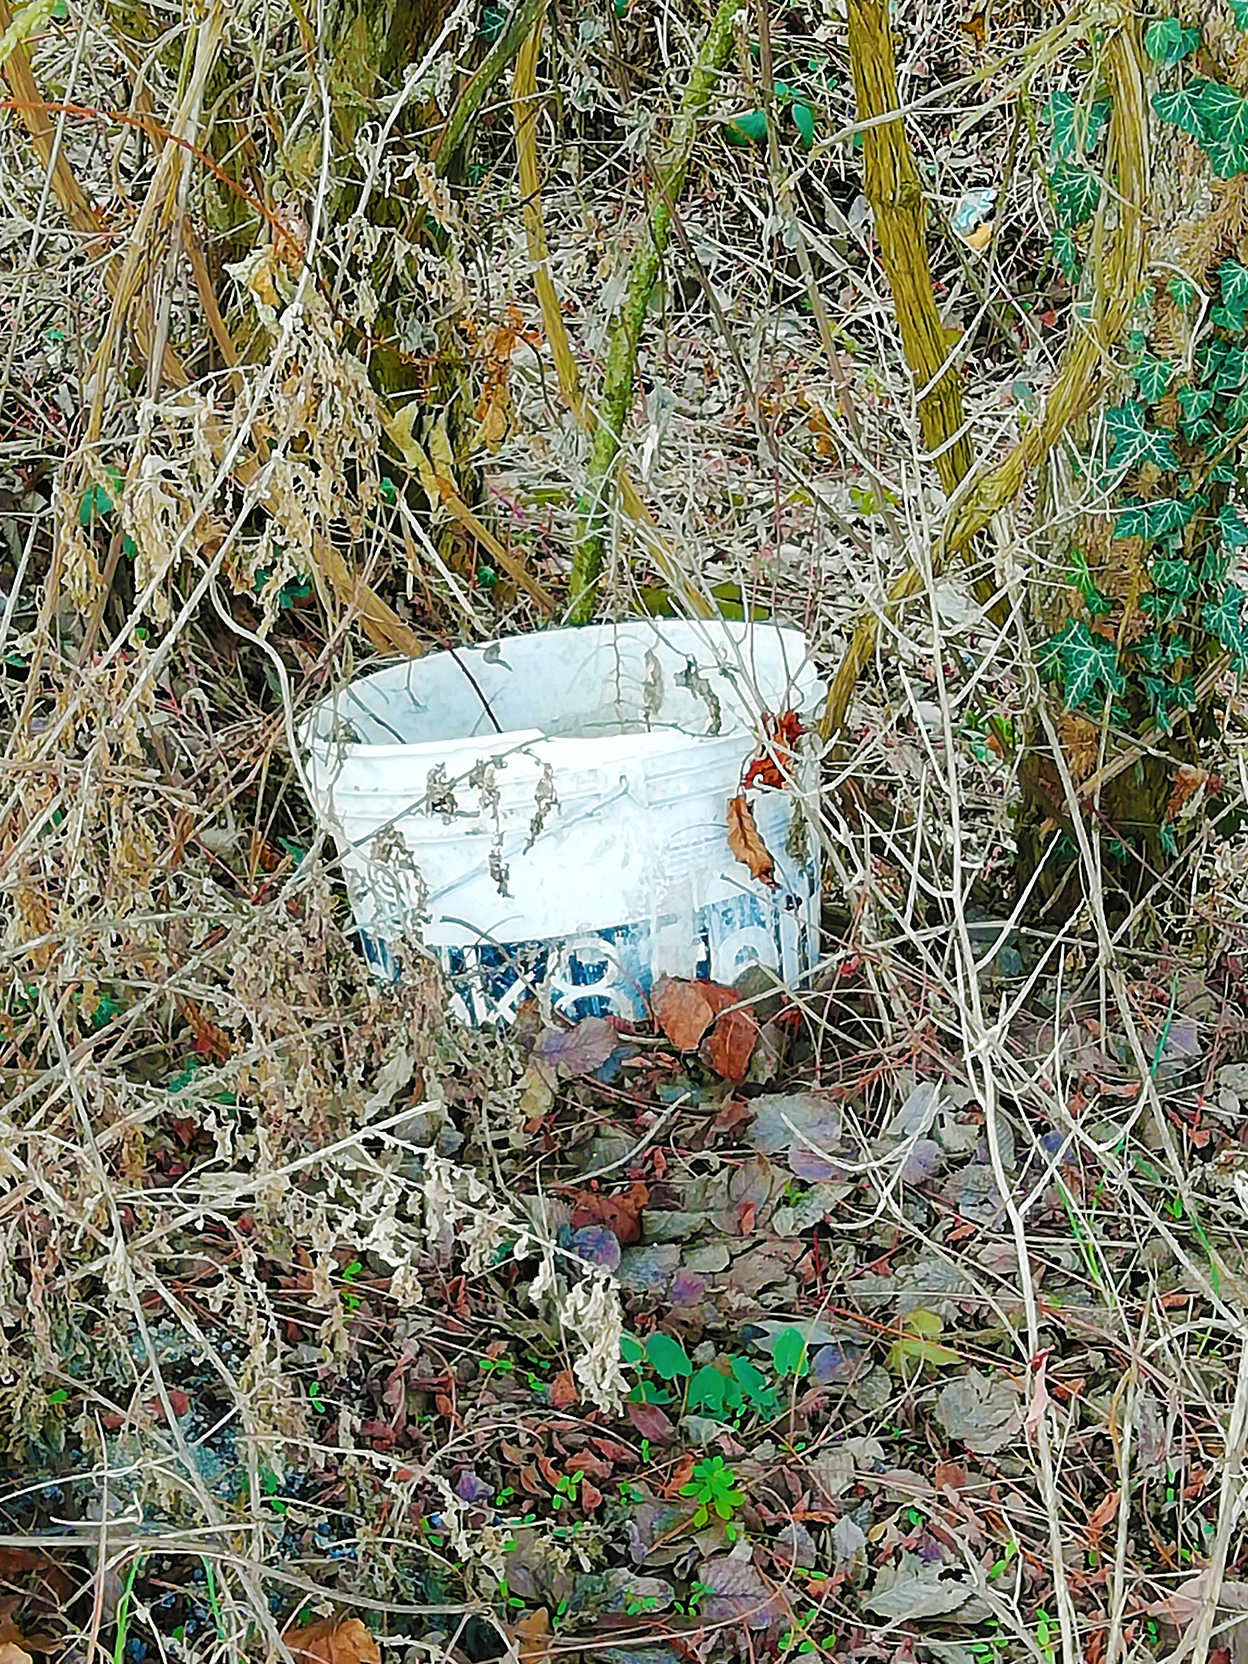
[332, 1641]
[620, 1214]
[746, 844]
[731, 1045]
[685, 1010]
[533, 1637]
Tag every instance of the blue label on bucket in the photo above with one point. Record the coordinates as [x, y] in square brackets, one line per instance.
[609, 972]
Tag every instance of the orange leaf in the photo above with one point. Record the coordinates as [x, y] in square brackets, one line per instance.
[563, 1390]
[731, 1045]
[685, 1010]
[620, 1213]
[745, 843]
[533, 1637]
[774, 763]
[1100, 1517]
[332, 1641]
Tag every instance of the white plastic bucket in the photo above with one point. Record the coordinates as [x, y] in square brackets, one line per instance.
[551, 809]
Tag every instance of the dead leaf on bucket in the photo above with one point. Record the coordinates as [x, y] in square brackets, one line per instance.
[685, 1010]
[332, 1641]
[746, 844]
[731, 1045]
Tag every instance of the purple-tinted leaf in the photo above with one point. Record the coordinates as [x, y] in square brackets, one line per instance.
[726, 1575]
[597, 1245]
[1183, 1040]
[650, 1422]
[578, 1050]
[797, 1545]
[753, 1181]
[849, 1548]
[813, 1164]
[624, 1589]
[469, 1488]
[1005, 1143]
[653, 1521]
[837, 1364]
[1052, 1143]
[926, 1158]
[917, 1113]
[737, 1591]
[984, 1412]
[648, 1270]
[780, 1117]
[688, 1288]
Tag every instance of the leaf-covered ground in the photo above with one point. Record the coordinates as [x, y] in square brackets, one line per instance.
[895, 1316]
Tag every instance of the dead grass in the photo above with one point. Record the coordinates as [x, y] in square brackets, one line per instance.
[291, 1309]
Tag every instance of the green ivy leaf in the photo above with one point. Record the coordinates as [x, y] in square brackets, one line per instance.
[1175, 577]
[1233, 530]
[1233, 281]
[1152, 377]
[1183, 108]
[1059, 112]
[1166, 697]
[1180, 289]
[1075, 128]
[1162, 608]
[1215, 566]
[1066, 255]
[1158, 654]
[1083, 661]
[667, 1357]
[1155, 518]
[1239, 11]
[1134, 442]
[1209, 356]
[1221, 619]
[631, 1349]
[1229, 125]
[804, 121]
[1076, 193]
[1168, 42]
[1195, 403]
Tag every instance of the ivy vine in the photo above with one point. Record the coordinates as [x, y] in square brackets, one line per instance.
[1169, 456]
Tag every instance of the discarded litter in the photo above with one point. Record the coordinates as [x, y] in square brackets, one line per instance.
[553, 809]
[973, 217]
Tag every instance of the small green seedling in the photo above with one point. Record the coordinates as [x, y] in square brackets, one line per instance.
[713, 1390]
[713, 1486]
[788, 1353]
[314, 1395]
[565, 1489]
[350, 1299]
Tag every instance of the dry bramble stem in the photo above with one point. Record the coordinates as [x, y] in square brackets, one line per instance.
[524, 110]
[1119, 276]
[617, 386]
[384, 628]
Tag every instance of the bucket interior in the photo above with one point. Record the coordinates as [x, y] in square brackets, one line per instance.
[593, 684]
